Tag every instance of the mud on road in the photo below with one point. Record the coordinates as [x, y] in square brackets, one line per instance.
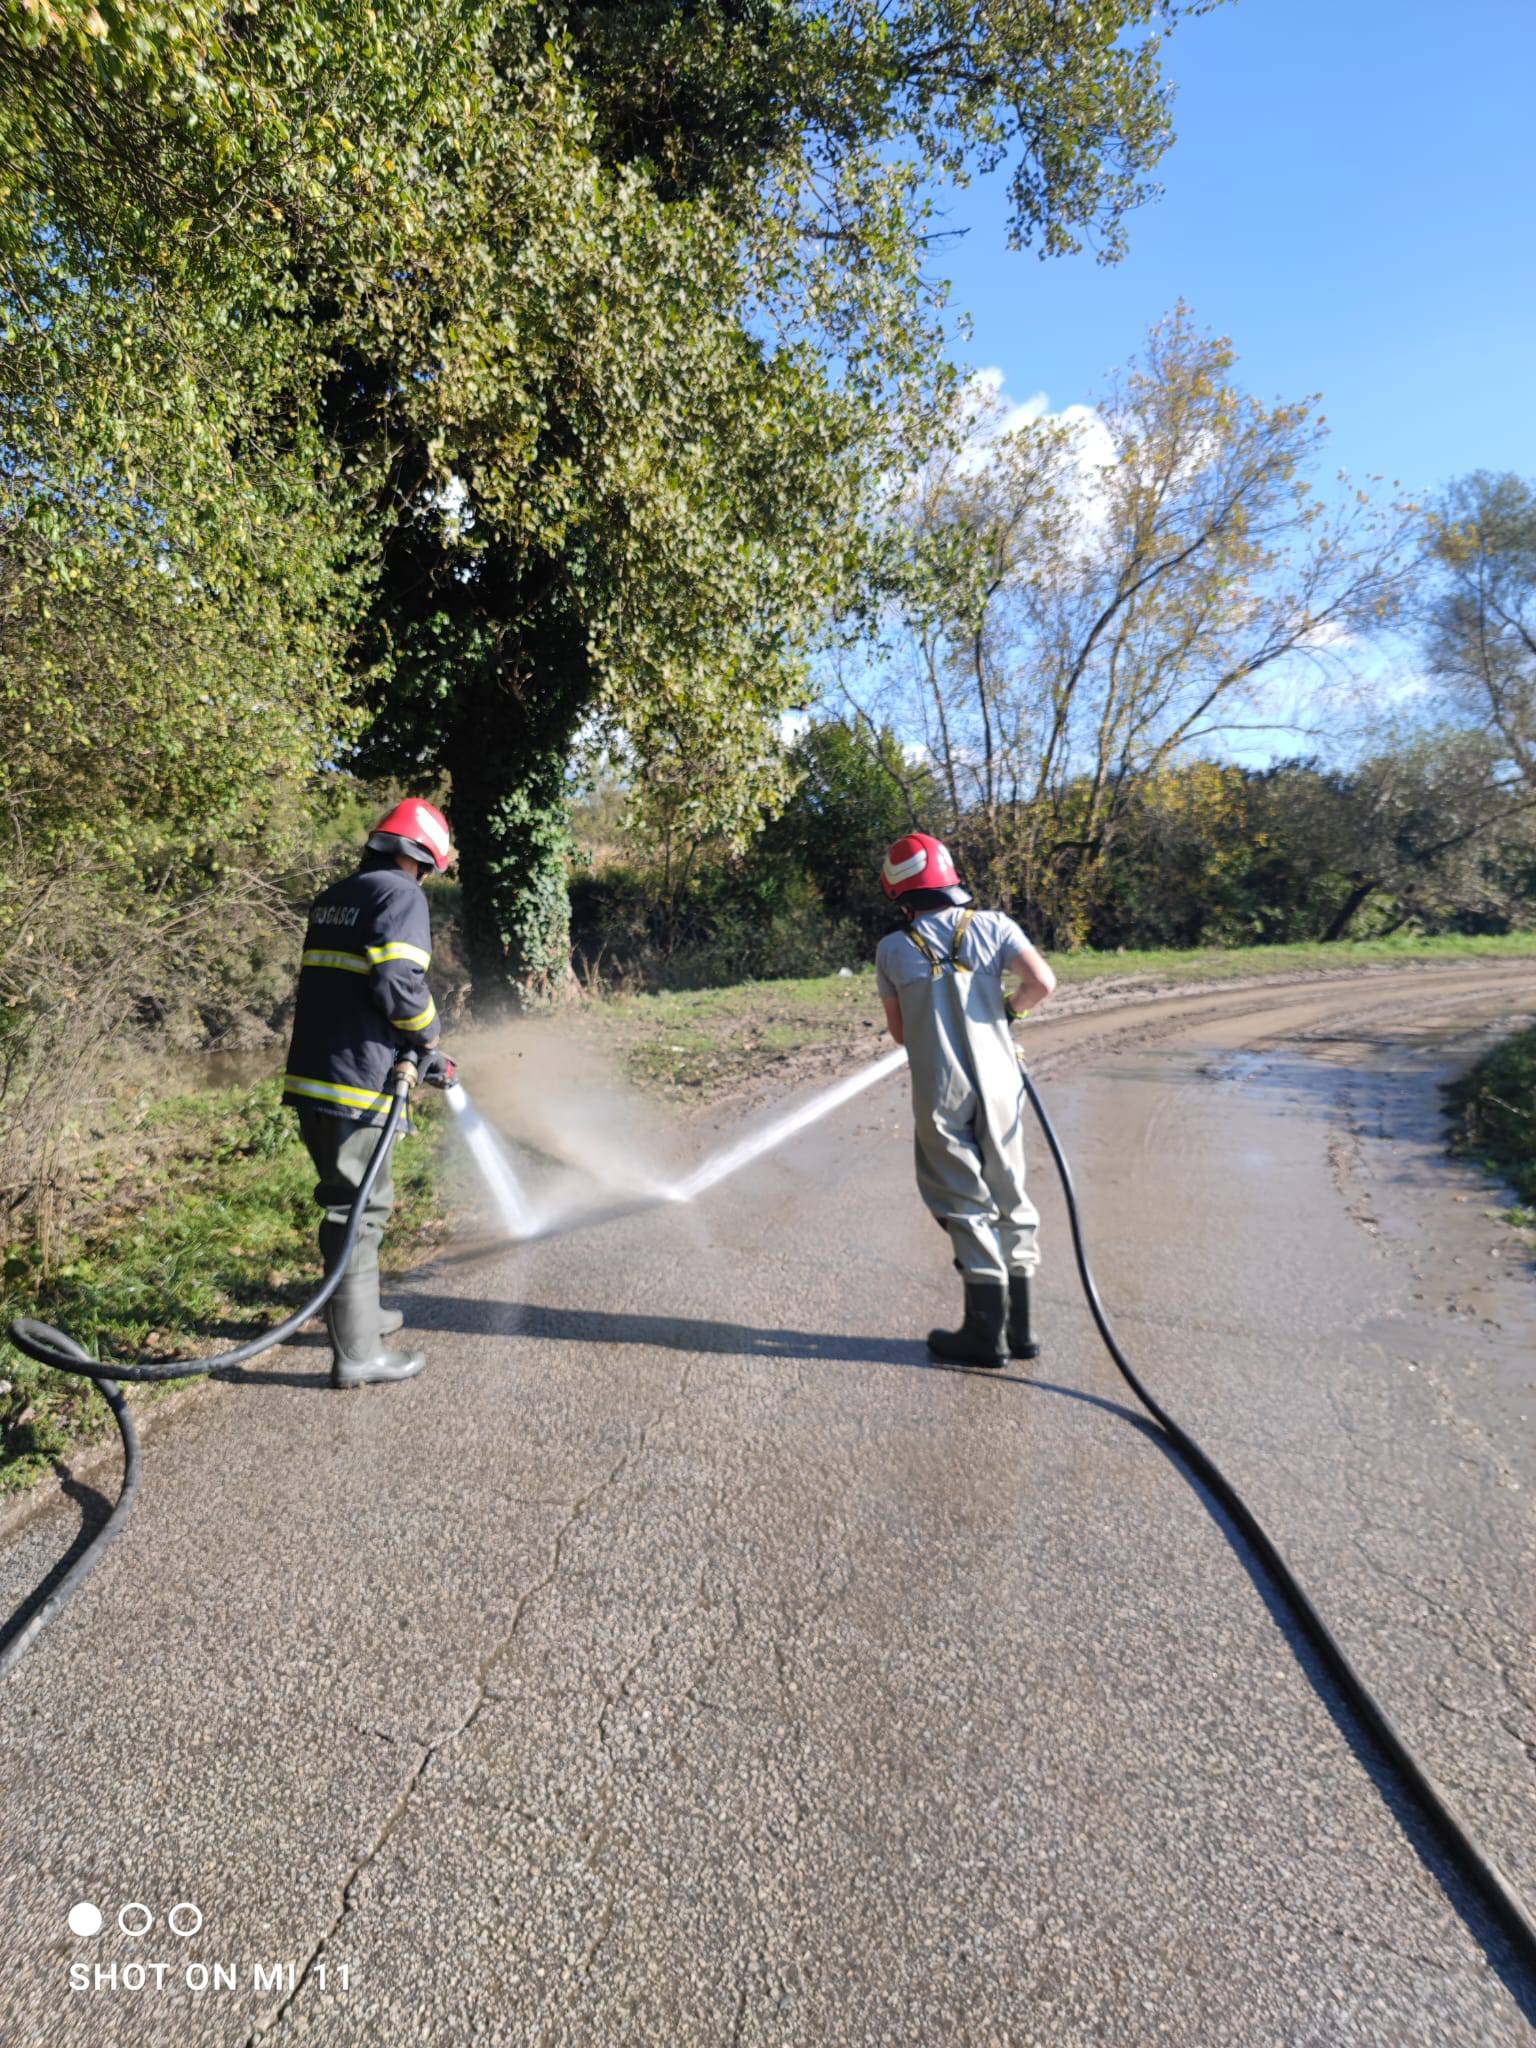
[684, 1659]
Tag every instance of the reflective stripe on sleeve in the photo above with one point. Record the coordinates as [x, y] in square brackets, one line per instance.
[349, 963]
[336, 1091]
[419, 1022]
[398, 950]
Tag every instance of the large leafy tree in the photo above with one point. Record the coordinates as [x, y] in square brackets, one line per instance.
[606, 316]
[633, 425]
[181, 564]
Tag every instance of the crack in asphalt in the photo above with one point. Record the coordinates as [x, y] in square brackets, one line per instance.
[1456, 1622]
[484, 1696]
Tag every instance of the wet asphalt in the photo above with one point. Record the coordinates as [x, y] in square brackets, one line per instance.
[687, 1659]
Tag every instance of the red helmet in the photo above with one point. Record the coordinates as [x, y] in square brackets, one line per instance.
[415, 828]
[921, 862]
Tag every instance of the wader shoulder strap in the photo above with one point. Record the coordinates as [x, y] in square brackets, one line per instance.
[937, 962]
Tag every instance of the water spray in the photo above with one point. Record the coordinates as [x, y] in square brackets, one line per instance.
[522, 1221]
[722, 1164]
[496, 1169]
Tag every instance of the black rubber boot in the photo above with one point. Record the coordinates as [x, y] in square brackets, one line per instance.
[979, 1339]
[1022, 1342]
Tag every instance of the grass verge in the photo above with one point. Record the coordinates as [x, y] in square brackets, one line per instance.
[1494, 1107]
[199, 1234]
[707, 1041]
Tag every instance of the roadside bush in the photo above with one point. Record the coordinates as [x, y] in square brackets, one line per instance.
[1495, 1111]
[731, 921]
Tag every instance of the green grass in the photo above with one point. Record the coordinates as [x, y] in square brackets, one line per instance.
[199, 1233]
[704, 1041]
[1229, 963]
[1494, 1107]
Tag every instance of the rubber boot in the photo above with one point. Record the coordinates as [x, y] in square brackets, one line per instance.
[331, 1235]
[1021, 1330]
[358, 1356]
[980, 1338]
[355, 1320]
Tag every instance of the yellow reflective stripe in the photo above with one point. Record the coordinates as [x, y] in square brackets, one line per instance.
[398, 950]
[419, 1022]
[335, 1091]
[962, 926]
[349, 963]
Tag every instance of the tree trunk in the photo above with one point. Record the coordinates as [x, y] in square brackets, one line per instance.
[508, 752]
[1359, 892]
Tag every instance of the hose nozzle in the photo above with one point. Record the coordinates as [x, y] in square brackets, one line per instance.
[435, 1068]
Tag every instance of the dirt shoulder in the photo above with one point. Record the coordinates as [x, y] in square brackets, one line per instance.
[746, 1045]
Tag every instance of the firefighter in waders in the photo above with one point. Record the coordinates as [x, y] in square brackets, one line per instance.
[941, 978]
[363, 1005]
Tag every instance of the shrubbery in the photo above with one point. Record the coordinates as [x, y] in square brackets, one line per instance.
[1205, 854]
[1495, 1111]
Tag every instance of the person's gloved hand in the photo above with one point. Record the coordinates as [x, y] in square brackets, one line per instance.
[406, 1073]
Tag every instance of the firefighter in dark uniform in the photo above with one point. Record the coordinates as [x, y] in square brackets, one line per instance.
[363, 1004]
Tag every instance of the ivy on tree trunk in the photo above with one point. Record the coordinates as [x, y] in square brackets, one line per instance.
[510, 818]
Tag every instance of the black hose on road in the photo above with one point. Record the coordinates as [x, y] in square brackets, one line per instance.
[1466, 1851]
[51, 1347]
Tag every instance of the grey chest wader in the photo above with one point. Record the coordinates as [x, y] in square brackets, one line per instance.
[968, 1107]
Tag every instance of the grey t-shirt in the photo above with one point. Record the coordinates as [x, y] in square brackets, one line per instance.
[992, 939]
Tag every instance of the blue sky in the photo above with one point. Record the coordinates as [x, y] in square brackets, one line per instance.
[1349, 198]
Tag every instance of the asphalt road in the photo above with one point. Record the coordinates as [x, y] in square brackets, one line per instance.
[685, 1659]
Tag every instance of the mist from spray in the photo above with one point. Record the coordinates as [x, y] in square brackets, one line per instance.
[587, 1150]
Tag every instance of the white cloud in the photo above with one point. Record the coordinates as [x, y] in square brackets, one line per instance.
[985, 389]
[1329, 636]
[995, 417]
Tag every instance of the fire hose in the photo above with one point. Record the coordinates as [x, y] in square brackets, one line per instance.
[1468, 1854]
[53, 1348]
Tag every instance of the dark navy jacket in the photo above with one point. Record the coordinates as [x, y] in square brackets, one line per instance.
[363, 994]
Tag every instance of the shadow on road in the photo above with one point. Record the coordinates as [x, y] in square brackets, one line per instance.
[427, 1312]
[94, 1509]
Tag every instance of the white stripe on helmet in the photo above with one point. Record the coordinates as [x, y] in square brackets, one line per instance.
[903, 870]
[429, 829]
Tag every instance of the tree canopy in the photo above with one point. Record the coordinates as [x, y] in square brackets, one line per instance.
[1481, 611]
[592, 323]
[1079, 601]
